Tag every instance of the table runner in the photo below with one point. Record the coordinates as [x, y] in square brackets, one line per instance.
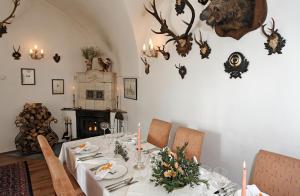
[91, 187]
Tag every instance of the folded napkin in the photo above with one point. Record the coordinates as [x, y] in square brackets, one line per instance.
[252, 190]
[104, 169]
[82, 147]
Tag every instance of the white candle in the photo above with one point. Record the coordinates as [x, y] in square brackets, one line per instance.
[244, 179]
[139, 136]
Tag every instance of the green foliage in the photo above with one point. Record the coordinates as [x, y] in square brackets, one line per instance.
[90, 52]
[121, 151]
[173, 170]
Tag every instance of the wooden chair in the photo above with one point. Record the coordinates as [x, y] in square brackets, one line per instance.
[159, 132]
[62, 184]
[194, 138]
[276, 174]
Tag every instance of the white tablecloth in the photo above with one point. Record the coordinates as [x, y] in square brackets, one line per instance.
[91, 187]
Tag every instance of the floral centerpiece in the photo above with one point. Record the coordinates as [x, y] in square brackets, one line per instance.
[172, 170]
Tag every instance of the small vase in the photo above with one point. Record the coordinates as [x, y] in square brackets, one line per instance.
[89, 64]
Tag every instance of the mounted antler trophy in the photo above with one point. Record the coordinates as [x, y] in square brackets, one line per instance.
[184, 41]
[3, 28]
[147, 65]
[181, 70]
[205, 50]
[16, 54]
[165, 54]
[275, 41]
[235, 18]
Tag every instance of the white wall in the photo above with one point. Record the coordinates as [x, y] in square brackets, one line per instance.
[38, 22]
[259, 111]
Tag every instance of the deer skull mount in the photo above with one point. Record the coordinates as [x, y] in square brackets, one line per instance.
[181, 70]
[3, 28]
[205, 49]
[184, 41]
[56, 58]
[147, 65]
[275, 42]
[16, 54]
[236, 65]
[165, 54]
[234, 18]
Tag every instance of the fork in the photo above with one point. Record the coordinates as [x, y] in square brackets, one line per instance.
[123, 185]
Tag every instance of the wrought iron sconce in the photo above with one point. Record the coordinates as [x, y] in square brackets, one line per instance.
[36, 54]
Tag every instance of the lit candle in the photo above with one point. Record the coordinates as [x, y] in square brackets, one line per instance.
[30, 51]
[42, 51]
[150, 44]
[139, 137]
[35, 47]
[244, 180]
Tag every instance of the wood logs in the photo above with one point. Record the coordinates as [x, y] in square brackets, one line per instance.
[34, 120]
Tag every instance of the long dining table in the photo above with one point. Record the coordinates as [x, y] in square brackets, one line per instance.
[92, 186]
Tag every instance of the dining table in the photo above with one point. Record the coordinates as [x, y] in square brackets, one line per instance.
[91, 185]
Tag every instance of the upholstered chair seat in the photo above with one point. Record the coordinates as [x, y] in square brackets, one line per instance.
[276, 175]
[159, 132]
[194, 138]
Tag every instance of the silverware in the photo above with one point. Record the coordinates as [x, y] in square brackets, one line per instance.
[118, 187]
[97, 167]
[97, 155]
[150, 150]
[224, 188]
[119, 183]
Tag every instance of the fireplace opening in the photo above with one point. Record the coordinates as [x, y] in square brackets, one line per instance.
[88, 123]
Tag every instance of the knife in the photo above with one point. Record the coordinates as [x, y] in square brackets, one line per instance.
[118, 187]
[119, 183]
[90, 157]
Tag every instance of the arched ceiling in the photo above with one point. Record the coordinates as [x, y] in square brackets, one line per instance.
[112, 22]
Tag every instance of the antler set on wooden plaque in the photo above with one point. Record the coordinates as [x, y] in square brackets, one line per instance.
[184, 41]
[3, 28]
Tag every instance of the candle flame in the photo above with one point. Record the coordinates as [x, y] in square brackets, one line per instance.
[35, 47]
[139, 124]
[144, 47]
[244, 165]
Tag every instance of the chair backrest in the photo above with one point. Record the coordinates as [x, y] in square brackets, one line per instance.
[61, 182]
[276, 174]
[194, 138]
[159, 132]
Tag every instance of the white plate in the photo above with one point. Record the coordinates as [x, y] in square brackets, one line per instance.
[89, 149]
[120, 170]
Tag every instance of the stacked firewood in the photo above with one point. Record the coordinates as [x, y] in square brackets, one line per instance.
[34, 120]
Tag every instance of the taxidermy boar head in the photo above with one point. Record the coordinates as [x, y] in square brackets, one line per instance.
[230, 14]
[235, 18]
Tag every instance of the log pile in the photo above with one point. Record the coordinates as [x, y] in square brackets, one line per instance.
[34, 120]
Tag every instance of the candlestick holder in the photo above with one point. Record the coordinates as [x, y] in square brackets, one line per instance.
[74, 101]
[139, 165]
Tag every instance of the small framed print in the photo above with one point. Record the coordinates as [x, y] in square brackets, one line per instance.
[58, 86]
[27, 76]
[130, 88]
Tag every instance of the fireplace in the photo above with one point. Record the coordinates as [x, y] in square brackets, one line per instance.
[88, 122]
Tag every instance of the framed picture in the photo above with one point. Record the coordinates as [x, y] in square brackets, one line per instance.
[58, 86]
[27, 76]
[130, 88]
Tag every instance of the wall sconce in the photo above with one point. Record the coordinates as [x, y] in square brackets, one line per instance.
[150, 51]
[36, 54]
